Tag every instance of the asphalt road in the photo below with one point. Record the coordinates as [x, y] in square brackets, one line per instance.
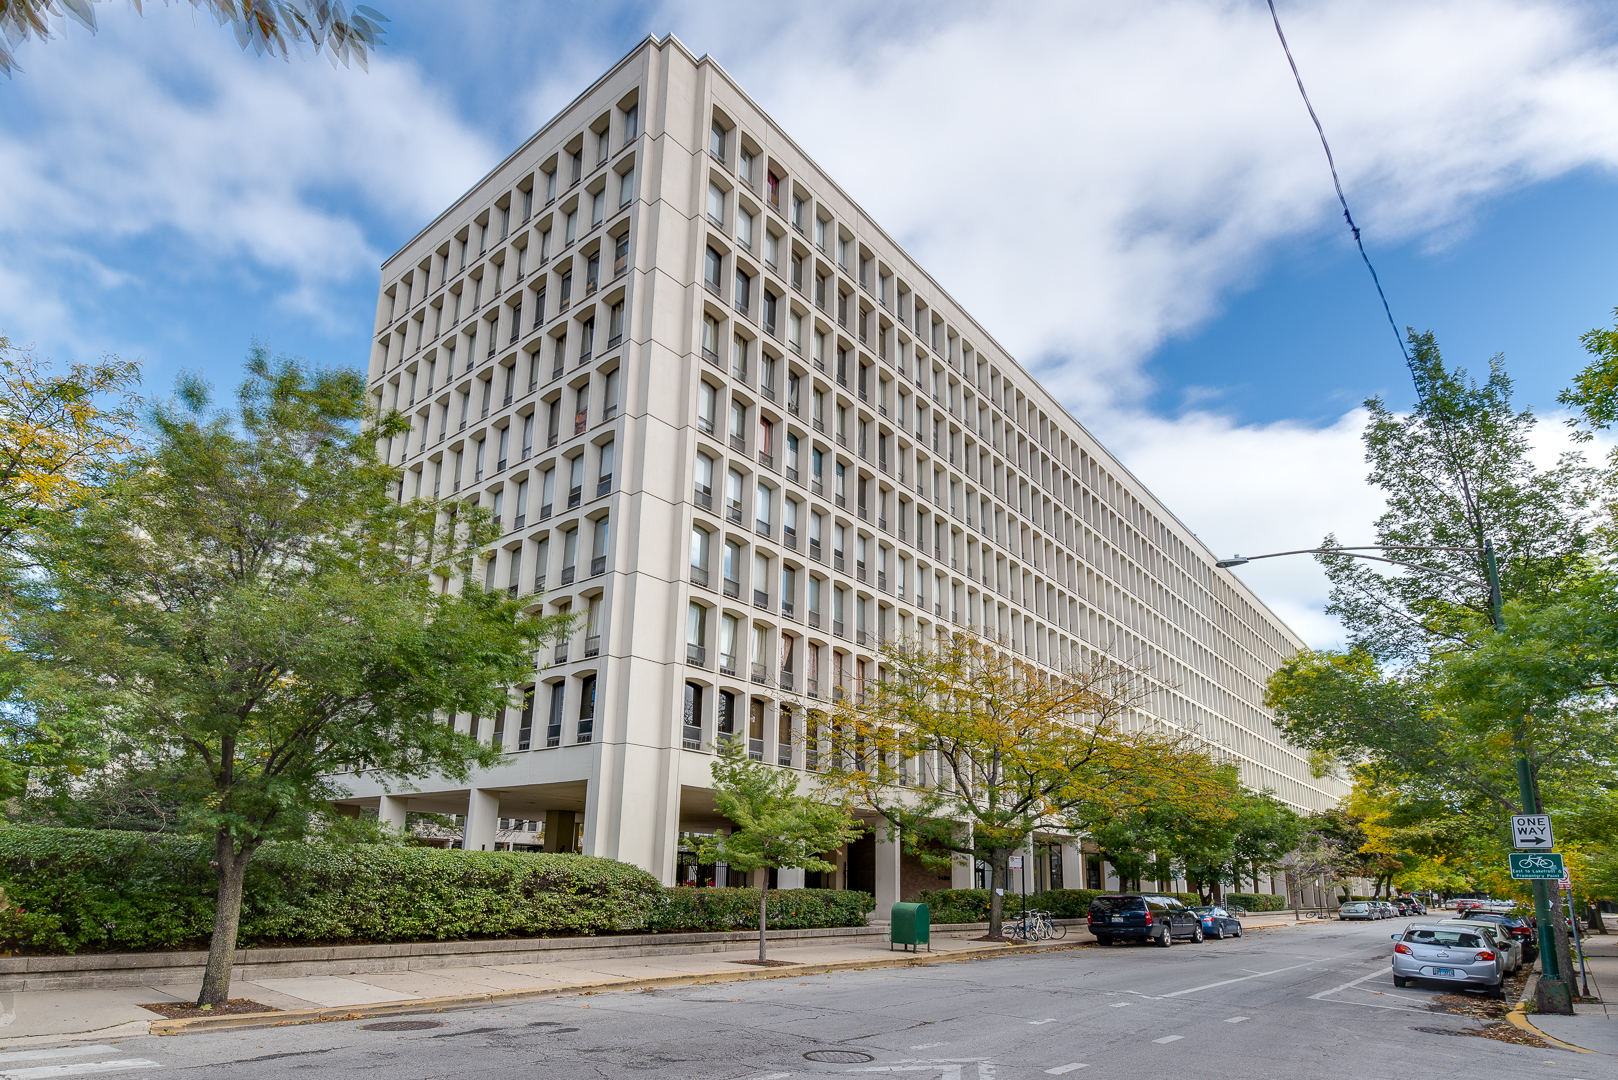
[1311, 1002]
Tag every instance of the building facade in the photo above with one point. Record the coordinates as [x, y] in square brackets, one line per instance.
[726, 421]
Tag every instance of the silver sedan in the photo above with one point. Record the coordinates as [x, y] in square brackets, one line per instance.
[1449, 954]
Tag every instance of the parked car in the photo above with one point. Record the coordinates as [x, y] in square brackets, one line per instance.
[1358, 909]
[1408, 905]
[1387, 909]
[1218, 922]
[1521, 930]
[1510, 948]
[1467, 904]
[1448, 954]
[1138, 917]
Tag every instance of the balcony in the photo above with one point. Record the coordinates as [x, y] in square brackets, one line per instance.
[762, 528]
[837, 628]
[696, 655]
[733, 512]
[561, 653]
[766, 459]
[739, 442]
[789, 537]
[786, 684]
[699, 576]
[603, 485]
[837, 562]
[705, 425]
[592, 646]
[814, 619]
[568, 573]
[733, 588]
[574, 497]
[598, 566]
[727, 666]
[814, 551]
[761, 599]
[792, 473]
[811, 686]
[760, 674]
[787, 608]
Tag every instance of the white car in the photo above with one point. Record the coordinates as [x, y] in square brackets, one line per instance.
[1510, 948]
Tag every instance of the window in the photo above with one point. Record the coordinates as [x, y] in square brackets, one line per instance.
[772, 249]
[497, 511]
[772, 189]
[553, 723]
[820, 233]
[598, 207]
[716, 141]
[744, 228]
[570, 555]
[522, 504]
[707, 402]
[797, 211]
[700, 540]
[587, 708]
[604, 469]
[727, 713]
[626, 189]
[527, 436]
[716, 204]
[598, 545]
[795, 332]
[615, 324]
[609, 395]
[631, 123]
[550, 185]
[733, 495]
[744, 291]
[575, 480]
[602, 149]
[713, 269]
[710, 338]
[738, 422]
[691, 733]
[547, 492]
[738, 353]
[528, 204]
[842, 253]
[770, 311]
[732, 567]
[727, 648]
[744, 166]
[761, 508]
[704, 481]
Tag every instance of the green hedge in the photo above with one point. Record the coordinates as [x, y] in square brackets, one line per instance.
[1256, 901]
[73, 889]
[686, 908]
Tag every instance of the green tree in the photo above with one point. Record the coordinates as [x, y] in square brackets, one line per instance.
[967, 749]
[276, 27]
[775, 827]
[245, 614]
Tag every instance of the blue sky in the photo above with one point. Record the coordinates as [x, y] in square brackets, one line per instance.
[1140, 211]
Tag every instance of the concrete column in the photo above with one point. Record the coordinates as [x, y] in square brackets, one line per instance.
[391, 812]
[960, 866]
[789, 879]
[559, 829]
[1073, 869]
[482, 818]
[887, 868]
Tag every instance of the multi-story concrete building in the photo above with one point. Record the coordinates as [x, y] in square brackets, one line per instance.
[725, 419]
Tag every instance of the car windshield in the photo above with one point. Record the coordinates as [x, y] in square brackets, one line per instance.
[1203, 910]
[1117, 903]
[1459, 939]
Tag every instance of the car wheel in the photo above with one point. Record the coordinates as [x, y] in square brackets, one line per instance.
[1196, 935]
[1497, 992]
[1238, 929]
[1103, 940]
[1165, 939]
[1400, 981]
[1219, 932]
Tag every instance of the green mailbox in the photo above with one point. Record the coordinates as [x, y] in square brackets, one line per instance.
[910, 924]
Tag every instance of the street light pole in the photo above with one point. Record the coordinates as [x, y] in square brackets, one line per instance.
[1527, 788]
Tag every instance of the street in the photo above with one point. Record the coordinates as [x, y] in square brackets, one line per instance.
[1311, 1001]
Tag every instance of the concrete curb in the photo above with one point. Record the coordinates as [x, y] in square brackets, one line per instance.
[500, 997]
[1518, 1018]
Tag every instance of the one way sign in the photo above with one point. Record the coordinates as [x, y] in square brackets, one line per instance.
[1532, 832]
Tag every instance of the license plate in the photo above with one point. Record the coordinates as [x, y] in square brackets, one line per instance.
[1117, 918]
[1443, 971]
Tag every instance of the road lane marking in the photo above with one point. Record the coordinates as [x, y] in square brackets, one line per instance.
[1051, 1020]
[1236, 1020]
[1069, 1067]
[1325, 995]
[1169, 1039]
[1239, 978]
[1120, 1005]
[66, 1051]
[80, 1068]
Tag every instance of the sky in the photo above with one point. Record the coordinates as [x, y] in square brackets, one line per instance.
[1130, 197]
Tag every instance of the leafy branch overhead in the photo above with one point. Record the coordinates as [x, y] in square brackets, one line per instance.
[268, 27]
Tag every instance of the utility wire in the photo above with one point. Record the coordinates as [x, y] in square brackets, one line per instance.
[1348, 217]
[1415, 376]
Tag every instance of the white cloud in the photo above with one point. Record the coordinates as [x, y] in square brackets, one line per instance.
[157, 129]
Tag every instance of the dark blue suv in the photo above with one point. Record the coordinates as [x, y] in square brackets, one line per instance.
[1138, 917]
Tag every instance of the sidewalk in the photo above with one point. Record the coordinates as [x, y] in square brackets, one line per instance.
[1592, 1026]
[32, 1016]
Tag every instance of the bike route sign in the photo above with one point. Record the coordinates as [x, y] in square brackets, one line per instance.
[1534, 865]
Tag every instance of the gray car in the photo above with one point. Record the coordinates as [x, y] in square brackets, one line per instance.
[1449, 954]
[1510, 949]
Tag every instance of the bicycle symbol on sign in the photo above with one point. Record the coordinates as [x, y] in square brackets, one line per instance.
[1536, 862]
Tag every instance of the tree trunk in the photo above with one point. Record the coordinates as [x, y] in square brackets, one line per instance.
[763, 914]
[997, 899]
[231, 868]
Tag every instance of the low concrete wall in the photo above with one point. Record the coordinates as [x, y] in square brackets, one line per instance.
[105, 970]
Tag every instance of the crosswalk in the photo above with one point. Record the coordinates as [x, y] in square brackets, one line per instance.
[49, 1064]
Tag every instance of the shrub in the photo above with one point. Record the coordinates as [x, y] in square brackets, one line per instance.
[1256, 901]
[76, 889]
[686, 908]
[955, 905]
